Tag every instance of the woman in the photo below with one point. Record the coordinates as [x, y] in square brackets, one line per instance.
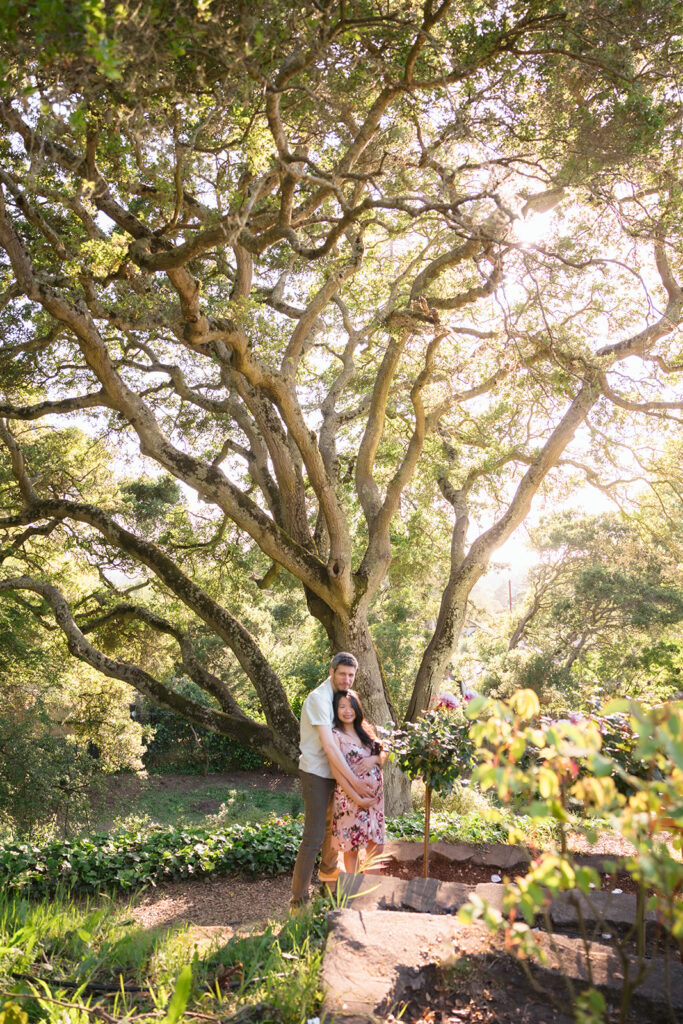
[355, 827]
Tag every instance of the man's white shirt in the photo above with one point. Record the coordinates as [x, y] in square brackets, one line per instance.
[316, 710]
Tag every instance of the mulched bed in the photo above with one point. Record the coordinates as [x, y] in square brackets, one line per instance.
[446, 870]
[220, 905]
[478, 990]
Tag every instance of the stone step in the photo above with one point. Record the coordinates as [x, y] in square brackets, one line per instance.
[494, 856]
[373, 957]
[431, 896]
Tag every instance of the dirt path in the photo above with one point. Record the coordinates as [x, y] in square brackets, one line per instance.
[215, 908]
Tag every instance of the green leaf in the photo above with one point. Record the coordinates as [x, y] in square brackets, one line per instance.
[476, 706]
[180, 996]
[618, 706]
[601, 766]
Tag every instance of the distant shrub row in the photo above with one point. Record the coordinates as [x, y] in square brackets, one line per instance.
[176, 745]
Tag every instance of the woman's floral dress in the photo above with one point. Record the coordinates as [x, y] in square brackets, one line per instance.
[354, 827]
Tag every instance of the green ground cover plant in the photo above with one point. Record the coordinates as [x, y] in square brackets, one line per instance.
[127, 859]
[492, 826]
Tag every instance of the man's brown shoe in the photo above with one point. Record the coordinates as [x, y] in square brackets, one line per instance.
[325, 879]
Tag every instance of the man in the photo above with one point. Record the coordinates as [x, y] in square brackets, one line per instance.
[321, 761]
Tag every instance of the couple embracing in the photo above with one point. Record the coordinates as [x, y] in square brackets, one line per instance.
[341, 780]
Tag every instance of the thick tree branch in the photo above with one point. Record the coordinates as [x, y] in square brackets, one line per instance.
[366, 486]
[19, 469]
[207, 681]
[208, 480]
[240, 728]
[96, 400]
[378, 553]
[241, 643]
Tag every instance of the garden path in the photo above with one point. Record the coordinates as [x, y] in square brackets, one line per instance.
[218, 907]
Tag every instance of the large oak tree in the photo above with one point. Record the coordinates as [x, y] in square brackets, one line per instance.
[286, 254]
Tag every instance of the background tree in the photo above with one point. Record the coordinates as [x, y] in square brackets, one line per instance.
[285, 258]
[603, 606]
[62, 726]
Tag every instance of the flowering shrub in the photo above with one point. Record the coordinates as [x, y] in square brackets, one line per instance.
[436, 748]
[446, 701]
[619, 741]
[650, 804]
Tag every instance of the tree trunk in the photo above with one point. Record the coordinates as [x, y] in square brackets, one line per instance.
[438, 653]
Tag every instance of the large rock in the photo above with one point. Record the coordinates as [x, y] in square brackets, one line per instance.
[431, 896]
[370, 892]
[597, 908]
[662, 982]
[504, 857]
[499, 855]
[373, 957]
[403, 850]
[458, 852]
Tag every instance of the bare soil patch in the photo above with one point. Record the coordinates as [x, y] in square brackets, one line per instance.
[479, 989]
[215, 908]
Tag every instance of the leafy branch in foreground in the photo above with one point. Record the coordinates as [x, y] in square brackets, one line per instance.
[648, 813]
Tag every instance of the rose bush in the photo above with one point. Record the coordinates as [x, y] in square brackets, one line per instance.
[437, 748]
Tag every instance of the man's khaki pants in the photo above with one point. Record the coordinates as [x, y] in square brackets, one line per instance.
[317, 793]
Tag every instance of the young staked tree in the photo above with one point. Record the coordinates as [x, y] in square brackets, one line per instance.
[287, 254]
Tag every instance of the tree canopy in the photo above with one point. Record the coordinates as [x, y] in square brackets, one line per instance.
[364, 277]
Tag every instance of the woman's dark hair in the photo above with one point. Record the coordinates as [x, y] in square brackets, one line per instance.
[360, 724]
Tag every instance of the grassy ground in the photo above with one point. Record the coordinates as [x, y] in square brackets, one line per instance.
[53, 953]
[182, 800]
[71, 961]
[65, 961]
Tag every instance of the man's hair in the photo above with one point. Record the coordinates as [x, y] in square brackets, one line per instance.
[344, 658]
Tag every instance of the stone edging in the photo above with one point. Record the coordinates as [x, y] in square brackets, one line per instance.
[501, 855]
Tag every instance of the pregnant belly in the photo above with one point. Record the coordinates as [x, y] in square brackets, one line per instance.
[374, 776]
